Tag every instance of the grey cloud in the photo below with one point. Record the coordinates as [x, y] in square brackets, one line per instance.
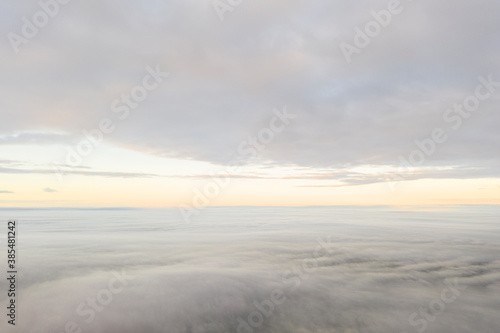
[351, 178]
[63, 171]
[23, 167]
[227, 76]
[372, 276]
[79, 173]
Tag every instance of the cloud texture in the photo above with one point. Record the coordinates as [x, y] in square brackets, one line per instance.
[372, 271]
[226, 77]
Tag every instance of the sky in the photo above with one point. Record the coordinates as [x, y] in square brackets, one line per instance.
[287, 103]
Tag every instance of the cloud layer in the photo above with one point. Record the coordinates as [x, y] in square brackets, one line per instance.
[226, 77]
[370, 271]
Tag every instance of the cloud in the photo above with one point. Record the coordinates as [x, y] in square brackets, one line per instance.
[354, 179]
[35, 138]
[23, 167]
[49, 190]
[6, 192]
[226, 77]
[349, 177]
[79, 173]
[372, 274]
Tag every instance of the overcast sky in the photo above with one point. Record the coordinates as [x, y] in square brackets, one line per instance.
[234, 72]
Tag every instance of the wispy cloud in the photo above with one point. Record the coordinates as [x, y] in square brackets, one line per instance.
[35, 138]
[80, 173]
[356, 179]
[24, 167]
[347, 177]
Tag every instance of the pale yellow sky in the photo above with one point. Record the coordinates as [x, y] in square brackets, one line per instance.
[182, 182]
